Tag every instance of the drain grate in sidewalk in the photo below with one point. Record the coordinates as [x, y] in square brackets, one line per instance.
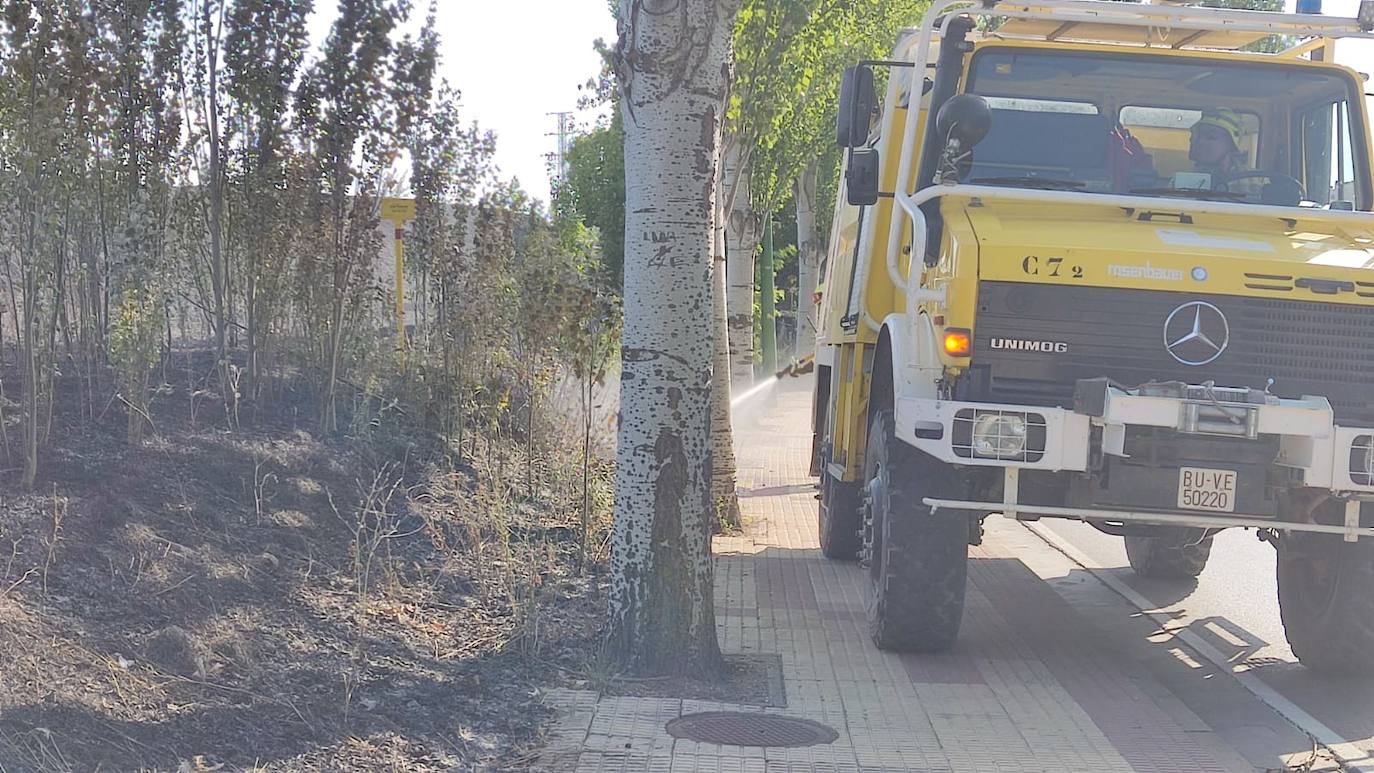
[735, 728]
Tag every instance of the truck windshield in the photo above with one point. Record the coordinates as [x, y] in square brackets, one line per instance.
[1223, 130]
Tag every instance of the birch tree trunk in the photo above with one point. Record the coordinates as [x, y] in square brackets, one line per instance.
[723, 483]
[741, 240]
[808, 260]
[671, 68]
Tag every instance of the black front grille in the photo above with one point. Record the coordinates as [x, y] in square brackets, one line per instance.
[1306, 348]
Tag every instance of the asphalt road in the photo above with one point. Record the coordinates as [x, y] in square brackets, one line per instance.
[1234, 607]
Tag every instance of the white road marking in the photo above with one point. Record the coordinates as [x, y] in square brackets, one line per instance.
[1351, 756]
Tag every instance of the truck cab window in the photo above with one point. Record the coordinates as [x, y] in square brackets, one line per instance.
[1254, 132]
[1326, 153]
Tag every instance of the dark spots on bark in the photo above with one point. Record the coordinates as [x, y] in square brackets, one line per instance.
[707, 144]
[662, 621]
[659, 7]
[624, 600]
[674, 576]
[631, 354]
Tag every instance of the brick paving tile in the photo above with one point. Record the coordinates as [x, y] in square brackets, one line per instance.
[1033, 685]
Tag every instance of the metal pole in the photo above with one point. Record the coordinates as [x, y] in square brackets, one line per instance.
[767, 295]
[400, 287]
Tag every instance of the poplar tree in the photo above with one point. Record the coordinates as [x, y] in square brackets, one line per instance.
[670, 68]
[347, 113]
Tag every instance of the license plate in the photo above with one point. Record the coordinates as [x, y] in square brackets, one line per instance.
[1204, 489]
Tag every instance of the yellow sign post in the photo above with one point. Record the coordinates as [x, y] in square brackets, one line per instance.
[399, 212]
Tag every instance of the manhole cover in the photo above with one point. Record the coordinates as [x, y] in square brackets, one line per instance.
[734, 728]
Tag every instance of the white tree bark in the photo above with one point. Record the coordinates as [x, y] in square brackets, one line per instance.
[808, 260]
[742, 234]
[723, 482]
[671, 68]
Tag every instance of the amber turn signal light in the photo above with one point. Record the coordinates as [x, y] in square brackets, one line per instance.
[958, 342]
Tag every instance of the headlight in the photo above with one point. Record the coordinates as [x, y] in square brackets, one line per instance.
[1005, 436]
[998, 436]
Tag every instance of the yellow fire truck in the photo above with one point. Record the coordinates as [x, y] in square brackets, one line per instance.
[1111, 262]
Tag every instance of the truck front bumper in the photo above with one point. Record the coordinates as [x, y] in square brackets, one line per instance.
[1313, 450]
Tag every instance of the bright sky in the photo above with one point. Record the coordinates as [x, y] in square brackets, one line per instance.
[489, 52]
[1358, 54]
[515, 61]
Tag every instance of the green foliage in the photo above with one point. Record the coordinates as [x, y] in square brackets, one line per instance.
[265, 46]
[349, 116]
[135, 350]
[1270, 44]
[184, 171]
[135, 336]
[49, 101]
[789, 58]
[827, 189]
[594, 191]
[1244, 5]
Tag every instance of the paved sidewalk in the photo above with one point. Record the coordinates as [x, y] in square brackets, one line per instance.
[1052, 672]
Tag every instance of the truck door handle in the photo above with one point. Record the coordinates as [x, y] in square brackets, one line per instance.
[1182, 217]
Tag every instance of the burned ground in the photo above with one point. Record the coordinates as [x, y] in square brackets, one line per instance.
[270, 597]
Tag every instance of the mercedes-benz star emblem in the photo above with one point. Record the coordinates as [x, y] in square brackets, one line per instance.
[1196, 333]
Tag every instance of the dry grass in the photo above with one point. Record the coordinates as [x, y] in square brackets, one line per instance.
[33, 750]
[270, 599]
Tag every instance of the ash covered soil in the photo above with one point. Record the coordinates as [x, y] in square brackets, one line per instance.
[274, 598]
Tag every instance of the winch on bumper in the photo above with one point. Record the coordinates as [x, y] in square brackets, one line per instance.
[1163, 453]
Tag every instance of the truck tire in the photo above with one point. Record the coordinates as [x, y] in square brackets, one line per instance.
[917, 560]
[1170, 553]
[1326, 600]
[840, 518]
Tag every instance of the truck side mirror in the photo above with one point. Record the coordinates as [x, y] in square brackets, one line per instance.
[964, 117]
[962, 121]
[858, 100]
[861, 177]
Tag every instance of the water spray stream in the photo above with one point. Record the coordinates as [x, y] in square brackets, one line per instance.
[794, 368]
[762, 386]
